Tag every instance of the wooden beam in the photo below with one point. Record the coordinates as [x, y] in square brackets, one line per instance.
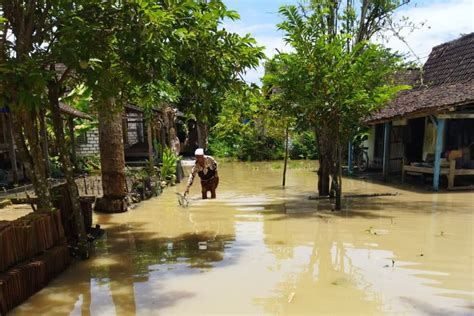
[386, 150]
[438, 151]
[456, 116]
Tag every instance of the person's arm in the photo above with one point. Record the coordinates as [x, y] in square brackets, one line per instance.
[191, 179]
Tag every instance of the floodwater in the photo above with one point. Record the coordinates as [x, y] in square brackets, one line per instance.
[260, 249]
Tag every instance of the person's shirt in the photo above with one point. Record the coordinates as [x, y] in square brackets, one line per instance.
[208, 170]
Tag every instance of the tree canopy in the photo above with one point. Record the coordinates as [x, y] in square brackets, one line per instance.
[336, 76]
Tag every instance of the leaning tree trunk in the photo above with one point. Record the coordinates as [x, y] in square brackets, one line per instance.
[112, 160]
[67, 168]
[27, 131]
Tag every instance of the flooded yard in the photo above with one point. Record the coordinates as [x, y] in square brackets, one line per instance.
[260, 249]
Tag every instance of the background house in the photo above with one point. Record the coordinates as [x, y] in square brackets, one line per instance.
[421, 126]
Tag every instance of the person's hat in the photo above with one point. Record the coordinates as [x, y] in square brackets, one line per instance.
[199, 152]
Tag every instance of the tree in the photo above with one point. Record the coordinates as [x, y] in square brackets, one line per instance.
[247, 128]
[33, 86]
[209, 61]
[117, 47]
[23, 81]
[336, 77]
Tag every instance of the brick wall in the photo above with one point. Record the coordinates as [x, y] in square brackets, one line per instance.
[134, 129]
[91, 146]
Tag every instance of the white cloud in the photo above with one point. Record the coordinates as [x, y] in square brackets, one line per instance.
[443, 22]
[272, 44]
[266, 35]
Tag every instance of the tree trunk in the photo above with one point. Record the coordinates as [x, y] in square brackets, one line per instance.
[72, 136]
[11, 148]
[323, 171]
[338, 176]
[286, 154]
[44, 142]
[202, 134]
[26, 119]
[68, 170]
[26, 130]
[112, 159]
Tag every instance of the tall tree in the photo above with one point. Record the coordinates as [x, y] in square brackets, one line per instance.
[336, 76]
[118, 47]
[23, 86]
[210, 60]
[34, 86]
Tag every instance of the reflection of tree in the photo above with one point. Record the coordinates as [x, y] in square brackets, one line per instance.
[122, 258]
[181, 249]
[319, 280]
[133, 252]
[121, 244]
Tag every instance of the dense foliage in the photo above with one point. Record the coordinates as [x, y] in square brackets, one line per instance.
[250, 128]
[335, 77]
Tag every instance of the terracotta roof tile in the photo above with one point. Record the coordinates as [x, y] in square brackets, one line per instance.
[448, 80]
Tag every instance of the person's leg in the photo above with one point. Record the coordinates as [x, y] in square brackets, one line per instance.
[204, 190]
[215, 182]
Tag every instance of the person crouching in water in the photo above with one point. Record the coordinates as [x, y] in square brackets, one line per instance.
[206, 168]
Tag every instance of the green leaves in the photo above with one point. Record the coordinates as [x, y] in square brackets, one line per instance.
[330, 77]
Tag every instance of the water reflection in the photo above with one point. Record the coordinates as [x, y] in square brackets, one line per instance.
[259, 249]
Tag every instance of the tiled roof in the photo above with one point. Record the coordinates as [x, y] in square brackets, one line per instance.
[426, 100]
[448, 81]
[451, 62]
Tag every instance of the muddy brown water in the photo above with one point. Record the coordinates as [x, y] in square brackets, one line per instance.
[260, 249]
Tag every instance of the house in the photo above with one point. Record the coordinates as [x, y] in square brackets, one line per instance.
[430, 129]
[139, 136]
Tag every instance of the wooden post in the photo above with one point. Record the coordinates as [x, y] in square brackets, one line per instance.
[438, 150]
[452, 170]
[386, 150]
[350, 158]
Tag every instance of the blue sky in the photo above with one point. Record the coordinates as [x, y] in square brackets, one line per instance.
[444, 20]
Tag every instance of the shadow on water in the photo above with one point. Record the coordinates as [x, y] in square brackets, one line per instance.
[299, 206]
[415, 184]
[125, 256]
